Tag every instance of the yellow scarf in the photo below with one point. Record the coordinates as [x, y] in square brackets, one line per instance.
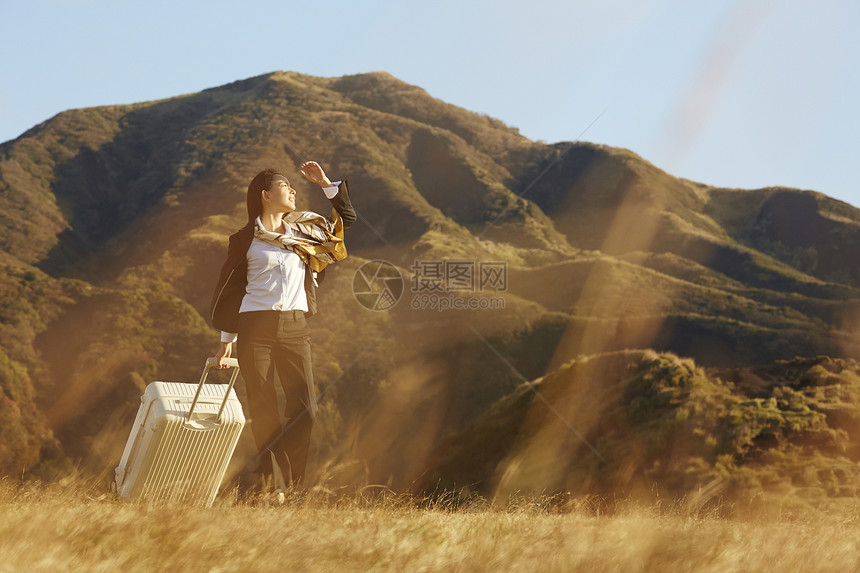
[321, 240]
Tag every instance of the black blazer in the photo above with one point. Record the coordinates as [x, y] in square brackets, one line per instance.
[228, 295]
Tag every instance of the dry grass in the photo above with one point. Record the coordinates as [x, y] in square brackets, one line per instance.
[71, 528]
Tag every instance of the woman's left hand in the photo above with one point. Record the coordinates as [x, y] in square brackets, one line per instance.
[315, 174]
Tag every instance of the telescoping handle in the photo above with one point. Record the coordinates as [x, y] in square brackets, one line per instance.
[210, 363]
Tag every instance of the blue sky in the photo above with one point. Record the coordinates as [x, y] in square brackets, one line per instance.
[737, 93]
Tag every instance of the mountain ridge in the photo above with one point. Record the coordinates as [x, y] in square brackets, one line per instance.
[119, 215]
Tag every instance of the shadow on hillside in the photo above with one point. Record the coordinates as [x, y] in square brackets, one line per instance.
[794, 227]
[104, 190]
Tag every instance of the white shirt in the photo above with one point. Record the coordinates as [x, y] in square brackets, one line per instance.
[276, 277]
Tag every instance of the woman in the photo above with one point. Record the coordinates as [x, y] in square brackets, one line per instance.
[266, 291]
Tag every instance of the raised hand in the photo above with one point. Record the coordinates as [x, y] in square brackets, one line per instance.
[315, 174]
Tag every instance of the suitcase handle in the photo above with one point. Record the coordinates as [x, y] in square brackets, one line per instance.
[210, 363]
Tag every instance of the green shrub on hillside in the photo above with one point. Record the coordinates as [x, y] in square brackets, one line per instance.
[636, 423]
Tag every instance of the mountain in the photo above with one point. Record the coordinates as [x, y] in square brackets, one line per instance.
[637, 425]
[113, 224]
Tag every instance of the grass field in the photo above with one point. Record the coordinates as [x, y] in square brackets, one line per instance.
[57, 528]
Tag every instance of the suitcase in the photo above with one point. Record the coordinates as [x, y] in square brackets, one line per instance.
[182, 440]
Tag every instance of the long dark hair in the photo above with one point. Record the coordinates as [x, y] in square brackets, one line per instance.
[261, 181]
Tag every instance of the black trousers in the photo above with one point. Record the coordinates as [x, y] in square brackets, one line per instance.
[274, 353]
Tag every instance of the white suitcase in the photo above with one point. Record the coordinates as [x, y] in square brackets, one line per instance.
[182, 440]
